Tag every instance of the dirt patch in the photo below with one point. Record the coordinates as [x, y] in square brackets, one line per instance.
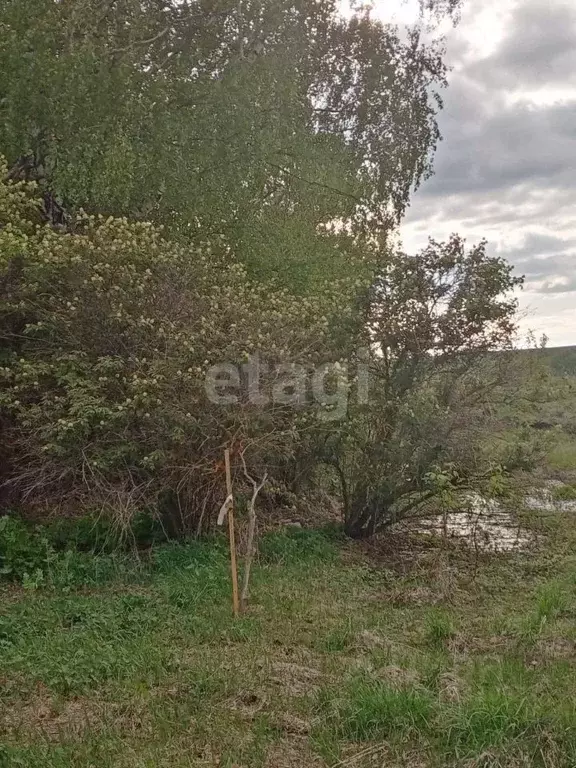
[291, 724]
[398, 677]
[56, 718]
[370, 640]
[396, 550]
[295, 679]
[380, 755]
[248, 704]
[292, 752]
[45, 714]
[451, 688]
[413, 596]
[557, 648]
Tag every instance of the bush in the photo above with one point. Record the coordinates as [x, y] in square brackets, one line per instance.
[440, 324]
[22, 552]
[107, 332]
[28, 557]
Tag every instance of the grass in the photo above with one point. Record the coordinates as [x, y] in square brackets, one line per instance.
[563, 455]
[564, 493]
[438, 629]
[374, 710]
[347, 656]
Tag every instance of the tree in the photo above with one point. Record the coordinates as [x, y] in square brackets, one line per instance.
[439, 325]
[264, 122]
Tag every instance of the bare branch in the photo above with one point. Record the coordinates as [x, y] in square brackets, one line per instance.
[250, 548]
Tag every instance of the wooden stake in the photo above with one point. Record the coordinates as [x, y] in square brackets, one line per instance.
[233, 566]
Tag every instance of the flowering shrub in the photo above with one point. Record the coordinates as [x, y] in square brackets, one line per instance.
[107, 331]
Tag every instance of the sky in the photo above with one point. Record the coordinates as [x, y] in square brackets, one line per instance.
[506, 168]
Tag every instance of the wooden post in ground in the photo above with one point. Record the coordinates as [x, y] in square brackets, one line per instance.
[232, 535]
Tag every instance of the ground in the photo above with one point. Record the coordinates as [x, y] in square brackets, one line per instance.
[408, 651]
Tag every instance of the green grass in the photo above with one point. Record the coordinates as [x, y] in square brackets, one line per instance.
[563, 455]
[564, 493]
[374, 710]
[341, 657]
[438, 629]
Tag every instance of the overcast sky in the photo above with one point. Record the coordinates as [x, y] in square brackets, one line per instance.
[506, 169]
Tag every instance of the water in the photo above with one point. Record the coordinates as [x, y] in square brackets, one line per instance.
[482, 524]
[542, 499]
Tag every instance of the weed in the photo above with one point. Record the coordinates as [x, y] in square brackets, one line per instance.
[551, 601]
[489, 719]
[151, 651]
[22, 552]
[563, 456]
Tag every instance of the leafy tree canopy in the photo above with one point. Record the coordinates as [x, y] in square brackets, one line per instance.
[254, 120]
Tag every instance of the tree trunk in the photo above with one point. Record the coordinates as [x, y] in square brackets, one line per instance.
[367, 514]
[363, 517]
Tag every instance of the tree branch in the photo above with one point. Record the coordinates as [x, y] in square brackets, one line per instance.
[250, 548]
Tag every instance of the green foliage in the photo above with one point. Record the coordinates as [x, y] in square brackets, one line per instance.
[488, 720]
[157, 665]
[339, 639]
[439, 629]
[436, 320]
[191, 558]
[28, 557]
[562, 360]
[297, 545]
[107, 335]
[22, 553]
[98, 534]
[562, 455]
[294, 117]
[551, 601]
[564, 493]
[274, 147]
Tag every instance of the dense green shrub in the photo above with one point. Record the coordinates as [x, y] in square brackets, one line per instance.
[22, 552]
[107, 332]
[30, 555]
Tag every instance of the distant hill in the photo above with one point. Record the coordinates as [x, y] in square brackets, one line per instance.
[562, 360]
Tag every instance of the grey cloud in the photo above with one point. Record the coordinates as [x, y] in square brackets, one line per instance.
[537, 50]
[553, 268]
[547, 261]
[518, 144]
[507, 169]
[493, 145]
[559, 284]
[538, 246]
